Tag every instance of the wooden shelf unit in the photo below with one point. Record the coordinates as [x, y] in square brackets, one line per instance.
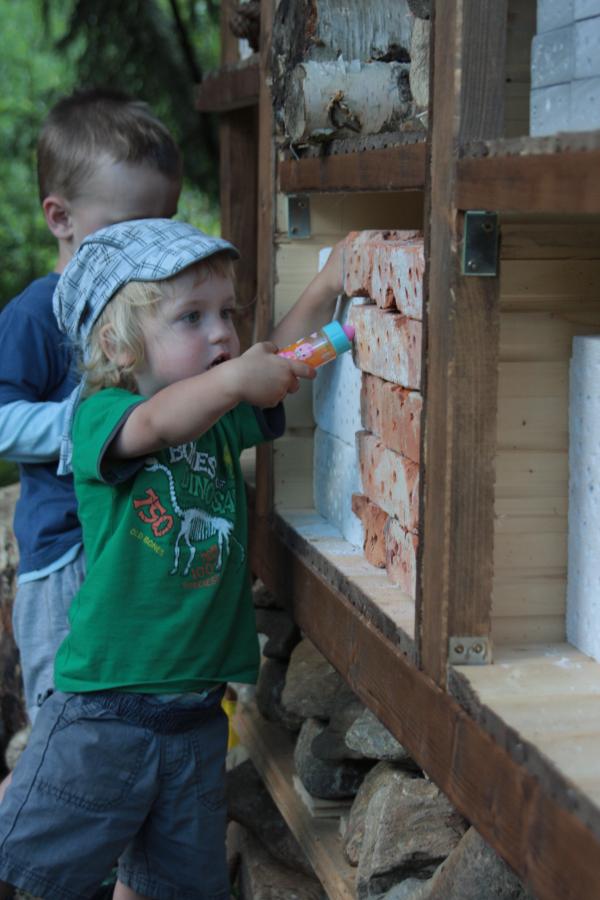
[234, 86]
[493, 348]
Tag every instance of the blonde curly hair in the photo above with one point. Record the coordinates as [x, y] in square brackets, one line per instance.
[122, 324]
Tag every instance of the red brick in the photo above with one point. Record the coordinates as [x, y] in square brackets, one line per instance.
[389, 480]
[387, 344]
[393, 414]
[388, 267]
[401, 556]
[373, 521]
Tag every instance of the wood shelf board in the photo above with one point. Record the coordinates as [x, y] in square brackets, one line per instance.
[232, 87]
[271, 749]
[542, 703]
[398, 168]
[547, 832]
[562, 182]
[344, 566]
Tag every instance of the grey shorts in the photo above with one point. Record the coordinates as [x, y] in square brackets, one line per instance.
[110, 776]
[40, 625]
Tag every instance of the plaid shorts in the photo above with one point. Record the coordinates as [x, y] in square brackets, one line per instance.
[110, 776]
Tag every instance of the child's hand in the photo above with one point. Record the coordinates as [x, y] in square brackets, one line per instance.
[266, 378]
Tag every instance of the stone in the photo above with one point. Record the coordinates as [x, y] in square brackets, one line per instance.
[371, 738]
[373, 521]
[322, 778]
[263, 878]
[250, 804]
[388, 344]
[282, 632]
[264, 599]
[390, 480]
[311, 684]
[355, 825]
[587, 48]
[401, 556]
[585, 9]
[269, 689]
[553, 14]
[410, 828]
[472, 871]
[393, 414]
[331, 744]
[409, 889]
[585, 104]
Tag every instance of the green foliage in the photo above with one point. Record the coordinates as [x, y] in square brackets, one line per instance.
[154, 49]
[8, 473]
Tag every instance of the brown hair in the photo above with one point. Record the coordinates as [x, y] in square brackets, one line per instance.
[89, 124]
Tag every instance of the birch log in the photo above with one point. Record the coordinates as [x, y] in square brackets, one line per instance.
[340, 98]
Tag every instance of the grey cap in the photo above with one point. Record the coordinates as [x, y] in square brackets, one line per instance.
[141, 250]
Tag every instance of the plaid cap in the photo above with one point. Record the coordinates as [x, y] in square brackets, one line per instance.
[141, 250]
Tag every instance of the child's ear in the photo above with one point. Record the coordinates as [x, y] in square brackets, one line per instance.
[57, 212]
[110, 347]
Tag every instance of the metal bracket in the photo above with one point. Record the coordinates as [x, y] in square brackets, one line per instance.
[469, 651]
[298, 216]
[480, 243]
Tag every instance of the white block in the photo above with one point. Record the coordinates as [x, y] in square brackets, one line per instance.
[585, 9]
[554, 14]
[336, 397]
[585, 104]
[336, 478]
[587, 48]
[583, 583]
[553, 57]
[550, 109]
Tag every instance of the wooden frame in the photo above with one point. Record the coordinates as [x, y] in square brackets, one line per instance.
[523, 804]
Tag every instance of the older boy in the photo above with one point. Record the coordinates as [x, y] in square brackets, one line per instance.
[102, 158]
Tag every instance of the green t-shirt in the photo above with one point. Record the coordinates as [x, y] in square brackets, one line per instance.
[165, 606]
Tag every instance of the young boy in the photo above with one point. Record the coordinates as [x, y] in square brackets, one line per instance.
[126, 759]
[102, 158]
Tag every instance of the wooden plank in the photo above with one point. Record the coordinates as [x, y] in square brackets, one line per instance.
[531, 817]
[390, 169]
[265, 230]
[271, 749]
[556, 183]
[232, 87]
[462, 328]
[238, 179]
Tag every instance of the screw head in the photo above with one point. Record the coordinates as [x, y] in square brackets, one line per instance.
[471, 265]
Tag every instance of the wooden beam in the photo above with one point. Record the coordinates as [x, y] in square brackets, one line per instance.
[563, 182]
[233, 87]
[389, 169]
[530, 825]
[461, 347]
[265, 228]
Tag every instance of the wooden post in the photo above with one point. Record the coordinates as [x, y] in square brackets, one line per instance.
[462, 328]
[266, 194]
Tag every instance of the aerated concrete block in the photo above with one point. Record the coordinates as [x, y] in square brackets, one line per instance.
[586, 9]
[553, 14]
[336, 478]
[587, 48]
[585, 104]
[553, 57]
[550, 110]
[336, 398]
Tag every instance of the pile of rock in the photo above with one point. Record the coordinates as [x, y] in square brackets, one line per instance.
[400, 832]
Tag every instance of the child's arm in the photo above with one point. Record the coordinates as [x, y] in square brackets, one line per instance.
[315, 306]
[31, 432]
[186, 409]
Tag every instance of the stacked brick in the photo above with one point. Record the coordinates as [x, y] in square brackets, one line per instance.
[565, 67]
[387, 267]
